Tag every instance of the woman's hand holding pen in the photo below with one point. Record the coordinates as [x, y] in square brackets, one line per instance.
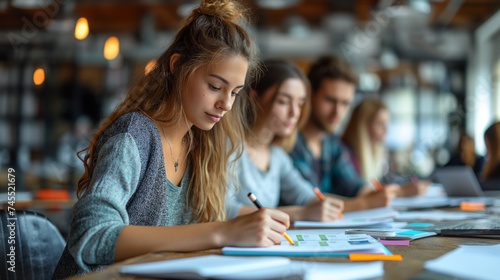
[264, 227]
[328, 209]
[382, 196]
[414, 188]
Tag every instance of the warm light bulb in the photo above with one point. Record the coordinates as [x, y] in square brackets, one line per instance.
[149, 66]
[111, 48]
[38, 76]
[81, 28]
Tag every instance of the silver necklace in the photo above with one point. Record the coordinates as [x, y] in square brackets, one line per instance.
[176, 162]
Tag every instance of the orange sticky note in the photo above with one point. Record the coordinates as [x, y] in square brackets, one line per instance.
[472, 206]
[374, 257]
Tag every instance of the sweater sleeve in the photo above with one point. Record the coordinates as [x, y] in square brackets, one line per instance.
[295, 190]
[233, 205]
[100, 215]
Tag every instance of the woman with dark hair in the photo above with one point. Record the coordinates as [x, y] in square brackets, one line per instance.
[490, 177]
[156, 169]
[465, 155]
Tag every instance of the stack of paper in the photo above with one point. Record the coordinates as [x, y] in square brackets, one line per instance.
[393, 233]
[269, 268]
[436, 215]
[470, 262]
[410, 234]
[419, 202]
[372, 217]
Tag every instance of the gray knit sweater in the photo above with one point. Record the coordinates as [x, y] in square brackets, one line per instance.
[281, 184]
[128, 187]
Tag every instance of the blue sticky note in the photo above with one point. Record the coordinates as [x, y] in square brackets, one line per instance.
[411, 232]
[420, 225]
[358, 242]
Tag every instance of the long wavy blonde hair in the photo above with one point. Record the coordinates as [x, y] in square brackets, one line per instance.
[213, 31]
[276, 72]
[356, 136]
[491, 168]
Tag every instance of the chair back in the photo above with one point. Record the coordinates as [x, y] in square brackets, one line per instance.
[30, 245]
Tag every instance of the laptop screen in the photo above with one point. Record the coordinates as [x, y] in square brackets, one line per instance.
[458, 181]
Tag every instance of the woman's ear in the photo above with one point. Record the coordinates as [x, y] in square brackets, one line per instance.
[173, 59]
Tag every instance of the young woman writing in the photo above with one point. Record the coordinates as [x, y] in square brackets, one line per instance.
[281, 99]
[155, 171]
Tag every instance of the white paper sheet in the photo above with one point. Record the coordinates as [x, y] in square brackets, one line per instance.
[258, 268]
[471, 262]
[202, 267]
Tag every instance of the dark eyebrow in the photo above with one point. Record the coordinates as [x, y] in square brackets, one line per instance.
[223, 80]
[333, 99]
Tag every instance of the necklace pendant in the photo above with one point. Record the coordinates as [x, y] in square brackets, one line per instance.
[176, 165]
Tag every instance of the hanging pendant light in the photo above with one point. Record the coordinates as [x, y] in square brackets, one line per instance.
[81, 28]
[111, 48]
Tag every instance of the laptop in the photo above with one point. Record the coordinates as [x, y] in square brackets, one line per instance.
[461, 184]
[486, 228]
[459, 181]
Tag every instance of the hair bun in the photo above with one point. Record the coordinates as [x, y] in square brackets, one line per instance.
[224, 9]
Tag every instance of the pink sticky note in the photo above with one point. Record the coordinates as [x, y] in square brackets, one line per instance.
[396, 242]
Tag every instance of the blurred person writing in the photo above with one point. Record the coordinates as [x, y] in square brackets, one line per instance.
[364, 137]
[265, 169]
[318, 154]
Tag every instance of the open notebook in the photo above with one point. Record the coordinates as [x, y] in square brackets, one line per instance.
[258, 268]
[315, 243]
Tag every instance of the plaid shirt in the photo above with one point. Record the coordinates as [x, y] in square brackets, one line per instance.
[338, 175]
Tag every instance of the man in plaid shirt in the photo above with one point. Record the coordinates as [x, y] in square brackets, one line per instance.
[318, 154]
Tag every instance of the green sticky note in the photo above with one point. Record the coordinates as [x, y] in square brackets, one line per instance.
[323, 237]
[299, 237]
[323, 243]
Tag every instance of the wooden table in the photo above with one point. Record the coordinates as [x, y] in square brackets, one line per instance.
[414, 257]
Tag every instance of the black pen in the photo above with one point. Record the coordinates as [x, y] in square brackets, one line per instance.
[256, 202]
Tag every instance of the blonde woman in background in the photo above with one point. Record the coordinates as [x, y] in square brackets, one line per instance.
[364, 137]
